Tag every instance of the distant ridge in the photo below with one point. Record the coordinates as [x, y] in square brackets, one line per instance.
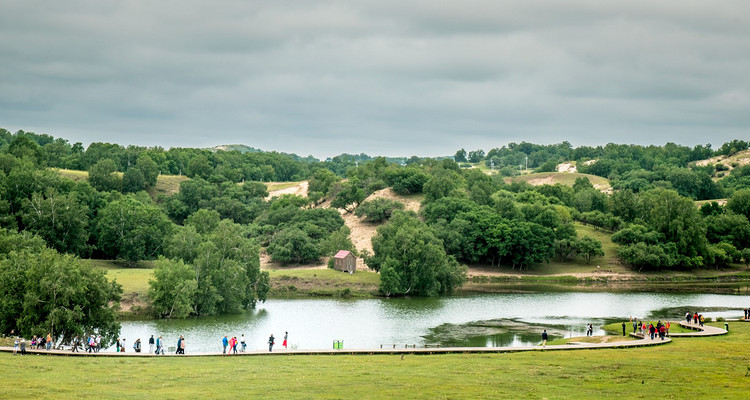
[236, 147]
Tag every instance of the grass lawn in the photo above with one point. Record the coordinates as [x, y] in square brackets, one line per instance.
[711, 367]
[165, 184]
[271, 186]
[322, 282]
[133, 279]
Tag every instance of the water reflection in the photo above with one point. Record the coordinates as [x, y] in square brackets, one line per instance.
[370, 323]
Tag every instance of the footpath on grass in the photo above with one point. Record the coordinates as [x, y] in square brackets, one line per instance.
[640, 342]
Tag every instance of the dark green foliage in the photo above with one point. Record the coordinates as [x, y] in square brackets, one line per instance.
[44, 292]
[378, 210]
[411, 260]
[61, 219]
[407, 180]
[226, 266]
[442, 184]
[293, 245]
[131, 230]
[102, 176]
[172, 290]
[348, 195]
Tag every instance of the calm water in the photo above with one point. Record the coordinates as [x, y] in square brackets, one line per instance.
[314, 323]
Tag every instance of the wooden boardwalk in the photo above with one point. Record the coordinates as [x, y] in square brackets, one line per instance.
[640, 342]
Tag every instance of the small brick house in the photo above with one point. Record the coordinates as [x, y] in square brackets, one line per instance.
[345, 261]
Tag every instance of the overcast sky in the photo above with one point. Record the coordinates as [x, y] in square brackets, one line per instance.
[376, 76]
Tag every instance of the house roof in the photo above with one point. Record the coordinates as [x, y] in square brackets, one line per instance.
[342, 254]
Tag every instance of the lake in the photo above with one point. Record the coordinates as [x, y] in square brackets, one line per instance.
[370, 323]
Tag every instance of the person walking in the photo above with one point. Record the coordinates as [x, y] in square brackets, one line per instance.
[160, 345]
[635, 325]
[544, 339]
[151, 344]
[49, 340]
[225, 343]
[137, 345]
[16, 343]
[270, 343]
[623, 328]
[23, 346]
[76, 342]
[667, 326]
[234, 344]
[243, 343]
[117, 346]
[181, 345]
[284, 343]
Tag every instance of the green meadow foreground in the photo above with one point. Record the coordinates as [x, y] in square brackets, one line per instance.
[715, 368]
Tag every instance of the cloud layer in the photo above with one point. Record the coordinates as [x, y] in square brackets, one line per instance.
[381, 77]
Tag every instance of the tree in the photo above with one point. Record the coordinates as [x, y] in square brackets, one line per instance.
[225, 266]
[589, 247]
[133, 181]
[102, 176]
[172, 290]
[739, 203]
[411, 260]
[378, 210]
[350, 194]
[460, 156]
[60, 219]
[130, 230]
[441, 184]
[293, 245]
[43, 291]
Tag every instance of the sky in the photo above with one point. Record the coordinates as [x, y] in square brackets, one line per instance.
[383, 77]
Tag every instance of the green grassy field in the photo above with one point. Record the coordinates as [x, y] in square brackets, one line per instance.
[712, 367]
[133, 279]
[322, 282]
[165, 184]
[280, 185]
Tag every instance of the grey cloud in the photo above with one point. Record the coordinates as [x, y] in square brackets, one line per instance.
[382, 77]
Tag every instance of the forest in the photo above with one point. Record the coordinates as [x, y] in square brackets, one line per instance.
[666, 207]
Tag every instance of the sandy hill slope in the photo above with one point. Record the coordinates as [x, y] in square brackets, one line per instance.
[730, 162]
[565, 178]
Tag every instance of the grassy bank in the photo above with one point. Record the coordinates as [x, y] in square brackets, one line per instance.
[713, 367]
[322, 282]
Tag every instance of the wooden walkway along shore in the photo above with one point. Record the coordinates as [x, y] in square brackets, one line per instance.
[641, 342]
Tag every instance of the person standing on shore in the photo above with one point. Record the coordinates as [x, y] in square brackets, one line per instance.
[243, 343]
[270, 343]
[284, 343]
[544, 338]
[225, 343]
[151, 344]
[623, 328]
[49, 340]
[23, 346]
[635, 324]
[16, 343]
[182, 345]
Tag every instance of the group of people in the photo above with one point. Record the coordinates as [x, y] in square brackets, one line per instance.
[152, 342]
[695, 318]
[232, 344]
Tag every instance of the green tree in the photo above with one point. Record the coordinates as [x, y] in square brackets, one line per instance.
[172, 290]
[349, 195]
[412, 261]
[43, 291]
[739, 203]
[589, 247]
[460, 156]
[128, 229]
[378, 210]
[103, 177]
[133, 181]
[293, 245]
[60, 219]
